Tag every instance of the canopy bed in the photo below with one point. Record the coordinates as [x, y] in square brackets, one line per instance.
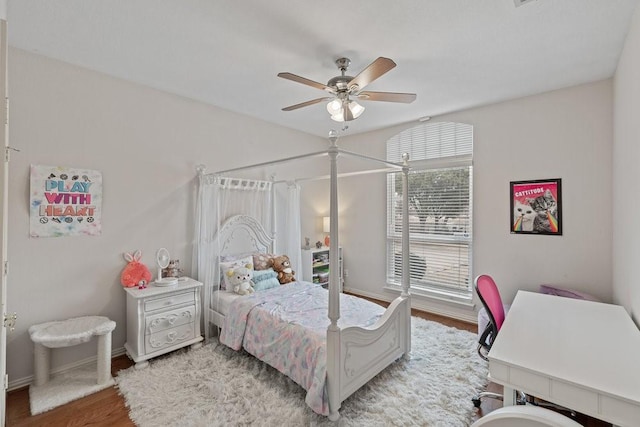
[331, 358]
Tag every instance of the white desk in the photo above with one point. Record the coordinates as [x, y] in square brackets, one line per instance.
[579, 354]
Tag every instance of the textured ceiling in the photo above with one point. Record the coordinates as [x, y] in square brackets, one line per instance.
[454, 54]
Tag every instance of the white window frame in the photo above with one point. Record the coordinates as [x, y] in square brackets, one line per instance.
[432, 146]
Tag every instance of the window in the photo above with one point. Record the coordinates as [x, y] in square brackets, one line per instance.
[440, 209]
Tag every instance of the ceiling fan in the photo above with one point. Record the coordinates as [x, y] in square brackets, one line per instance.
[342, 88]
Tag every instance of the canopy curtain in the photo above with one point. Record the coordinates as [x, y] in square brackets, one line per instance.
[292, 235]
[218, 199]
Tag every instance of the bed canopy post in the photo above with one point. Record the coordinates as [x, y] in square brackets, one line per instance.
[405, 224]
[196, 269]
[334, 268]
[333, 331]
[274, 212]
[405, 248]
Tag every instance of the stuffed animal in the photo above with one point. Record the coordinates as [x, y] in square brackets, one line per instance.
[239, 278]
[282, 266]
[135, 273]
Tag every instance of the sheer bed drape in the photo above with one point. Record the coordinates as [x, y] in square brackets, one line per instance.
[218, 199]
[221, 197]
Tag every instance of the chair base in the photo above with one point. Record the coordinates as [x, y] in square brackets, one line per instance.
[477, 399]
[521, 398]
[548, 405]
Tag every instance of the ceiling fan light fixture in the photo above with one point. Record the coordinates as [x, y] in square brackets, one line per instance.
[334, 107]
[338, 115]
[356, 109]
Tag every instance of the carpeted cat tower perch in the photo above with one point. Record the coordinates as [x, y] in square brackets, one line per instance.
[48, 392]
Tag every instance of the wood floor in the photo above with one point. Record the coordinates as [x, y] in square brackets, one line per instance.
[106, 408]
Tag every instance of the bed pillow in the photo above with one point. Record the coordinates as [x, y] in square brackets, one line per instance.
[260, 275]
[262, 261]
[269, 283]
[265, 279]
[225, 266]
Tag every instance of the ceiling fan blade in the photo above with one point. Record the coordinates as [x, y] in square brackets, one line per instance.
[376, 69]
[306, 104]
[305, 81]
[406, 98]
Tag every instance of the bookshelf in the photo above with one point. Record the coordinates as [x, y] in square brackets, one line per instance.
[315, 266]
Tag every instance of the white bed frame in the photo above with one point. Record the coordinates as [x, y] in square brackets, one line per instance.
[354, 354]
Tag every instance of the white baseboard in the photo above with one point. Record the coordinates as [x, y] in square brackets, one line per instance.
[26, 381]
[419, 303]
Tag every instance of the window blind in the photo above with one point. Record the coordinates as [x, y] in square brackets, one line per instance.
[440, 207]
[432, 141]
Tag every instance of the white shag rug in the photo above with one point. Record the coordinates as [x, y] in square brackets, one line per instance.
[65, 387]
[216, 386]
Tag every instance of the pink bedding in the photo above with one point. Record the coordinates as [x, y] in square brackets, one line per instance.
[286, 327]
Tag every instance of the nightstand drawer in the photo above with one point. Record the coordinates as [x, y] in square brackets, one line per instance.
[168, 337]
[170, 319]
[176, 299]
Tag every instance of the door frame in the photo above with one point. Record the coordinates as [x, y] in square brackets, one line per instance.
[4, 217]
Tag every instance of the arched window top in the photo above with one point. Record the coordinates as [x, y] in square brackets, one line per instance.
[432, 141]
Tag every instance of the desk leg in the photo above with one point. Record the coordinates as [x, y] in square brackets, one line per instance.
[509, 398]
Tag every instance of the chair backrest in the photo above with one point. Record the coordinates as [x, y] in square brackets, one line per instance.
[524, 416]
[490, 298]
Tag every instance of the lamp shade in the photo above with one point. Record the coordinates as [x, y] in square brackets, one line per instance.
[326, 224]
[356, 109]
[335, 108]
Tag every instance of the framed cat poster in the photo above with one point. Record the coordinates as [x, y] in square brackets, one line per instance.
[536, 207]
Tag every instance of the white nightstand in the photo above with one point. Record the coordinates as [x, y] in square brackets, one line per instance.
[161, 319]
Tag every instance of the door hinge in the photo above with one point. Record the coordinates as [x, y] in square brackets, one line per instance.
[6, 268]
[6, 381]
[7, 150]
[10, 321]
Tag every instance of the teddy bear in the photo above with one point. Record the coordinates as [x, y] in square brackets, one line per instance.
[282, 266]
[239, 278]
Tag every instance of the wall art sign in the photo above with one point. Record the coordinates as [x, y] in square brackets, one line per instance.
[65, 202]
[536, 207]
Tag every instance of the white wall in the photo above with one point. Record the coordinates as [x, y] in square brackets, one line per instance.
[626, 174]
[566, 134]
[146, 143]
